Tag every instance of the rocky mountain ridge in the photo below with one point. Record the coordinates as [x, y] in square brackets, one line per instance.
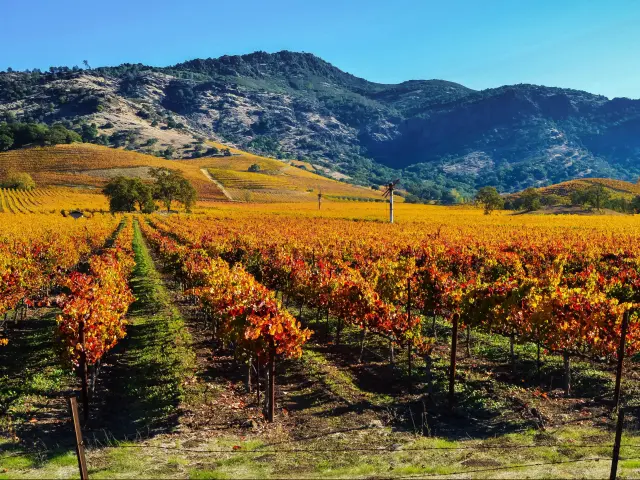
[441, 138]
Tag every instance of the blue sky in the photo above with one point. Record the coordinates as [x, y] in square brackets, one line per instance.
[585, 44]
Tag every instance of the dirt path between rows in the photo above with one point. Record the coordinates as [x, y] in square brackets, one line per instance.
[218, 184]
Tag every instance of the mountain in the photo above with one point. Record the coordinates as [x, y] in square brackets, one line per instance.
[440, 137]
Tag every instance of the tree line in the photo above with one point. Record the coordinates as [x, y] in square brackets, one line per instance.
[15, 135]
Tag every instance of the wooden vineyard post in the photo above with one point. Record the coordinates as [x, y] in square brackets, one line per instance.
[363, 336]
[429, 377]
[326, 331]
[566, 360]
[84, 374]
[389, 193]
[452, 367]
[409, 343]
[319, 200]
[249, 367]
[272, 381]
[616, 446]
[409, 361]
[82, 461]
[538, 364]
[258, 381]
[512, 354]
[623, 339]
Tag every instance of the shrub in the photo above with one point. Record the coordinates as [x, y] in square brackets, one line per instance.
[19, 181]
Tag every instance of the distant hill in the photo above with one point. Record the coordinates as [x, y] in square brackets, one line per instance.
[89, 167]
[580, 196]
[616, 188]
[441, 138]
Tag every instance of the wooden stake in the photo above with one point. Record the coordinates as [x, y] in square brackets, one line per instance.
[623, 339]
[567, 373]
[409, 353]
[616, 446]
[429, 378]
[409, 343]
[512, 340]
[82, 461]
[258, 381]
[84, 374]
[433, 328]
[272, 380]
[538, 364]
[326, 331]
[392, 353]
[452, 367]
[249, 367]
[363, 336]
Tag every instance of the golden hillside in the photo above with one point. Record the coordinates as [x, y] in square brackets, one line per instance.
[618, 188]
[277, 181]
[91, 166]
[216, 178]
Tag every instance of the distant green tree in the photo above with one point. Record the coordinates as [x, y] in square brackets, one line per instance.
[169, 152]
[598, 195]
[226, 152]
[620, 204]
[531, 199]
[89, 133]
[448, 197]
[551, 199]
[122, 197]
[6, 141]
[254, 167]
[579, 197]
[490, 199]
[144, 196]
[60, 134]
[635, 204]
[171, 186]
[125, 193]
